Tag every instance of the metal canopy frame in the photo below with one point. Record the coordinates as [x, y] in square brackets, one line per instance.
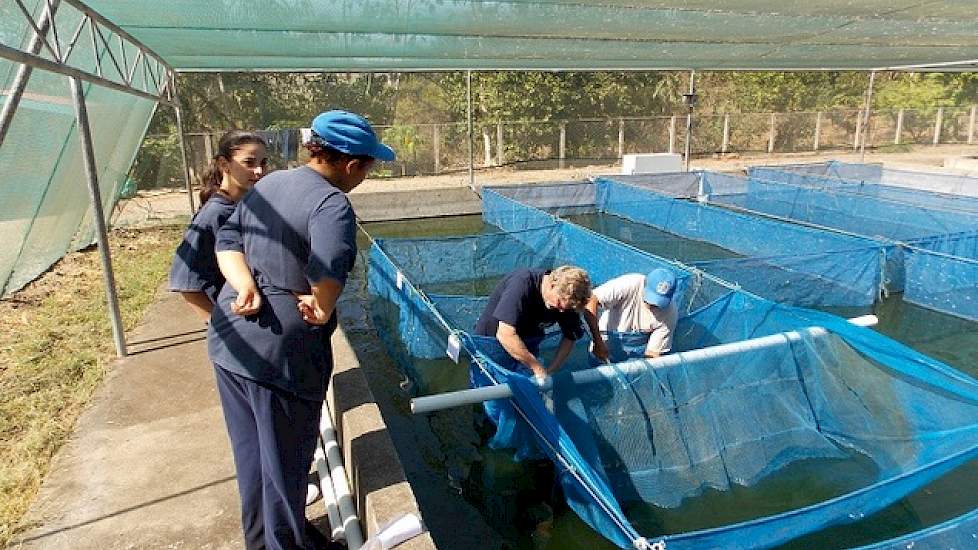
[157, 83]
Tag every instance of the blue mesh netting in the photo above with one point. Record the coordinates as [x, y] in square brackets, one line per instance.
[868, 180]
[782, 262]
[959, 532]
[942, 282]
[842, 211]
[631, 441]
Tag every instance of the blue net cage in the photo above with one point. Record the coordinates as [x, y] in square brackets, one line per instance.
[637, 443]
[777, 260]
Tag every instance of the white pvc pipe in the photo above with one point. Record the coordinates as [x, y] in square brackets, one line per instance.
[329, 495]
[430, 403]
[344, 498]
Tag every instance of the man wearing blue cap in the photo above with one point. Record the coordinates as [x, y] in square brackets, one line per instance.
[637, 303]
[285, 252]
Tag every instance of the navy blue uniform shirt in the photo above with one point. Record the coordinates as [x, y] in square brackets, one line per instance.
[295, 229]
[194, 267]
[517, 301]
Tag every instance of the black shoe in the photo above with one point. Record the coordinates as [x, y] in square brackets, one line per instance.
[319, 540]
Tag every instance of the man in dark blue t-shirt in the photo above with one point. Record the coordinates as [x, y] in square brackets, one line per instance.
[526, 302]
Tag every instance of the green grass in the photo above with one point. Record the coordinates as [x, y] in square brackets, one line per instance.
[55, 347]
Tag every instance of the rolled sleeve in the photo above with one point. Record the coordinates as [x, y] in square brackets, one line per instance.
[229, 236]
[332, 240]
[188, 273]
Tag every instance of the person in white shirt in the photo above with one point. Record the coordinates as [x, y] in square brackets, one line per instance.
[636, 303]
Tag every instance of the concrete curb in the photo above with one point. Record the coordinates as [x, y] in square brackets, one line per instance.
[373, 468]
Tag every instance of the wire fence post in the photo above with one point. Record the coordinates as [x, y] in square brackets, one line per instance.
[859, 128]
[770, 137]
[971, 125]
[725, 143]
[899, 127]
[98, 216]
[563, 144]
[499, 144]
[486, 147]
[436, 144]
[937, 125]
[690, 104]
[818, 130]
[672, 134]
[621, 135]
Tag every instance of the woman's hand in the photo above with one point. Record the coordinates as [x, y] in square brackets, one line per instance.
[248, 302]
[310, 310]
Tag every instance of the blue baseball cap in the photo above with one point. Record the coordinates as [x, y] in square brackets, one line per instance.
[660, 285]
[350, 133]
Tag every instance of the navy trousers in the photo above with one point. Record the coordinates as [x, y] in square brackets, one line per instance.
[273, 436]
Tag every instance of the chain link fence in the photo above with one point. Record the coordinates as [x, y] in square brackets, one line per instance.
[427, 149]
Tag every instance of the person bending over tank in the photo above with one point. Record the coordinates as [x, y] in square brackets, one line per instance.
[636, 303]
[526, 302]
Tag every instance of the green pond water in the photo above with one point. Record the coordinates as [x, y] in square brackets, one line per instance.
[520, 501]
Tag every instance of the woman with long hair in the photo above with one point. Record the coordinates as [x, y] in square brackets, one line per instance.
[240, 162]
[286, 252]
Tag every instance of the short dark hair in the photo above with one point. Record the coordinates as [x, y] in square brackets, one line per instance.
[318, 149]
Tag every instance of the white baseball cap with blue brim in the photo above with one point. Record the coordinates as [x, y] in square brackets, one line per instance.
[350, 133]
[660, 285]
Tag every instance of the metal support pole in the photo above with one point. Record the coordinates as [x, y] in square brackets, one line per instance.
[621, 138]
[937, 125]
[770, 135]
[690, 103]
[672, 134]
[899, 127]
[436, 143]
[563, 144]
[971, 125]
[98, 217]
[187, 180]
[725, 144]
[468, 111]
[868, 109]
[818, 130]
[24, 72]
[859, 128]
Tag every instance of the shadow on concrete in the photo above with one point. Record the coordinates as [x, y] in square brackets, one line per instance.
[200, 338]
[139, 342]
[153, 502]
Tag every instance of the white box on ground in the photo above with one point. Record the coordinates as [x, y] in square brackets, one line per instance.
[651, 163]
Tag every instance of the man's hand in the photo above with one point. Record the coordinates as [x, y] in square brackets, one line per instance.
[514, 345]
[248, 302]
[310, 310]
[590, 313]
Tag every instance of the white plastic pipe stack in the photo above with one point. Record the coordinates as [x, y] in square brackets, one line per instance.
[329, 495]
[430, 403]
[344, 498]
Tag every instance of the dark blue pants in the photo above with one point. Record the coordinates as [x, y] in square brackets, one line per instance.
[273, 436]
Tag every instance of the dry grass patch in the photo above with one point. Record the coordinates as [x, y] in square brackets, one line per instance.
[55, 346]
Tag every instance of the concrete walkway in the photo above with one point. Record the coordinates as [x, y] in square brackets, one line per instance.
[149, 464]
